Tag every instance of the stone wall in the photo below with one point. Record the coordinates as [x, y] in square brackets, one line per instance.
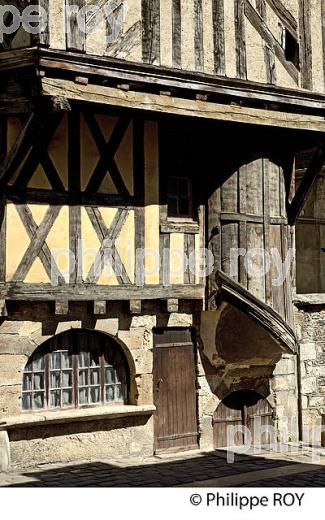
[311, 334]
[27, 327]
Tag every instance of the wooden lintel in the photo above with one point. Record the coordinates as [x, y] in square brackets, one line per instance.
[135, 306]
[99, 307]
[172, 305]
[306, 185]
[3, 309]
[182, 107]
[61, 307]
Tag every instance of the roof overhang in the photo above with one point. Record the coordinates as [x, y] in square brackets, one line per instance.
[112, 82]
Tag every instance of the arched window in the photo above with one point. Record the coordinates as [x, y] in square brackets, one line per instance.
[75, 369]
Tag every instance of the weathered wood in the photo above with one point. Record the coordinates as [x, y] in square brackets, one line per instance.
[241, 63]
[139, 192]
[44, 35]
[284, 14]
[235, 294]
[38, 246]
[91, 292]
[75, 25]
[3, 230]
[172, 305]
[305, 44]
[107, 152]
[61, 307]
[51, 172]
[178, 80]
[271, 77]
[306, 185]
[177, 33]
[75, 235]
[189, 251]
[107, 237]
[219, 37]
[260, 26]
[198, 35]
[184, 107]
[191, 228]
[135, 306]
[3, 138]
[164, 251]
[74, 173]
[3, 309]
[16, 155]
[323, 34]
[126, 43]
[100, 307]
[151, 31]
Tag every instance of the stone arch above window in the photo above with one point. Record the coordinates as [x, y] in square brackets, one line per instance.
[75, 369]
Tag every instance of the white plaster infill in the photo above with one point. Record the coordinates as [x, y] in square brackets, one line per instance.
[79, 415]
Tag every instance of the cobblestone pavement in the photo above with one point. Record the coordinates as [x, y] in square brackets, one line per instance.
[209, 469]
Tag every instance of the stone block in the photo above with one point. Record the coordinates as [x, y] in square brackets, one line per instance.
[10, 327]
[180, 320]
[144, 384]
[308, 351]
[4, 451]
[133, 339]
[108, 325]
[285, 366]
[29, 327]
[284, 382]
[146, 322]
[11, 369]
[10, 401]
[63, 326]
[317, 401]
[308, 385]
[143, 360]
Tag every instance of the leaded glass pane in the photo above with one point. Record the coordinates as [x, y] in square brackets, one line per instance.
[66, 359]
[109, 393]
[95, 394]
[83, 395]
[66, 397]
[55, 398]
[94, 359]
[66, 379]
[55, 360]
[27, 401]
[27, 382]
[94, 377]
[39, 381]
[109, 375]
[55, 380]
[83, 377]
[38, 364]
[119, 392]
[38, 400]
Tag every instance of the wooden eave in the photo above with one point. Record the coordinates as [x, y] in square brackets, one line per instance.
[180, 92]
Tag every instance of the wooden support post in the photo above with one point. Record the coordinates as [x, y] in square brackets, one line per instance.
[3, 309]
[99, 307]
[306, 185]
[61, 307]
[135, 306]
[172, 305]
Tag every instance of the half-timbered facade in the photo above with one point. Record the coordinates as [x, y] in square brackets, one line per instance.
[159, 167]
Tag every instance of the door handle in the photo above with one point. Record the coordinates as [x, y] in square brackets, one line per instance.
[159, 383]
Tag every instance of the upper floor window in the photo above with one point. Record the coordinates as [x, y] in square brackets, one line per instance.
[75, 369]
[179, 197]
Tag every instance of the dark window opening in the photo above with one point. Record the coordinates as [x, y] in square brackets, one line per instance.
[179, 197]
[291, 49]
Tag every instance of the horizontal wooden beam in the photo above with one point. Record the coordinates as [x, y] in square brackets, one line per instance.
[181, 107]
[90, 292]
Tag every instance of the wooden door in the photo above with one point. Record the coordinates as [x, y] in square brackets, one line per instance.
[245, 408]
[258, 417]
[176, 425]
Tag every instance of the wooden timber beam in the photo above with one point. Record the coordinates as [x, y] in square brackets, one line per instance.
[61, 307]
[235, 294]
[172, 305]
[180, 106]
[89, 292]
[306, 185]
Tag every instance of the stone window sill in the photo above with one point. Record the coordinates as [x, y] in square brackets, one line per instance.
[79, 415]
[303, 300]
